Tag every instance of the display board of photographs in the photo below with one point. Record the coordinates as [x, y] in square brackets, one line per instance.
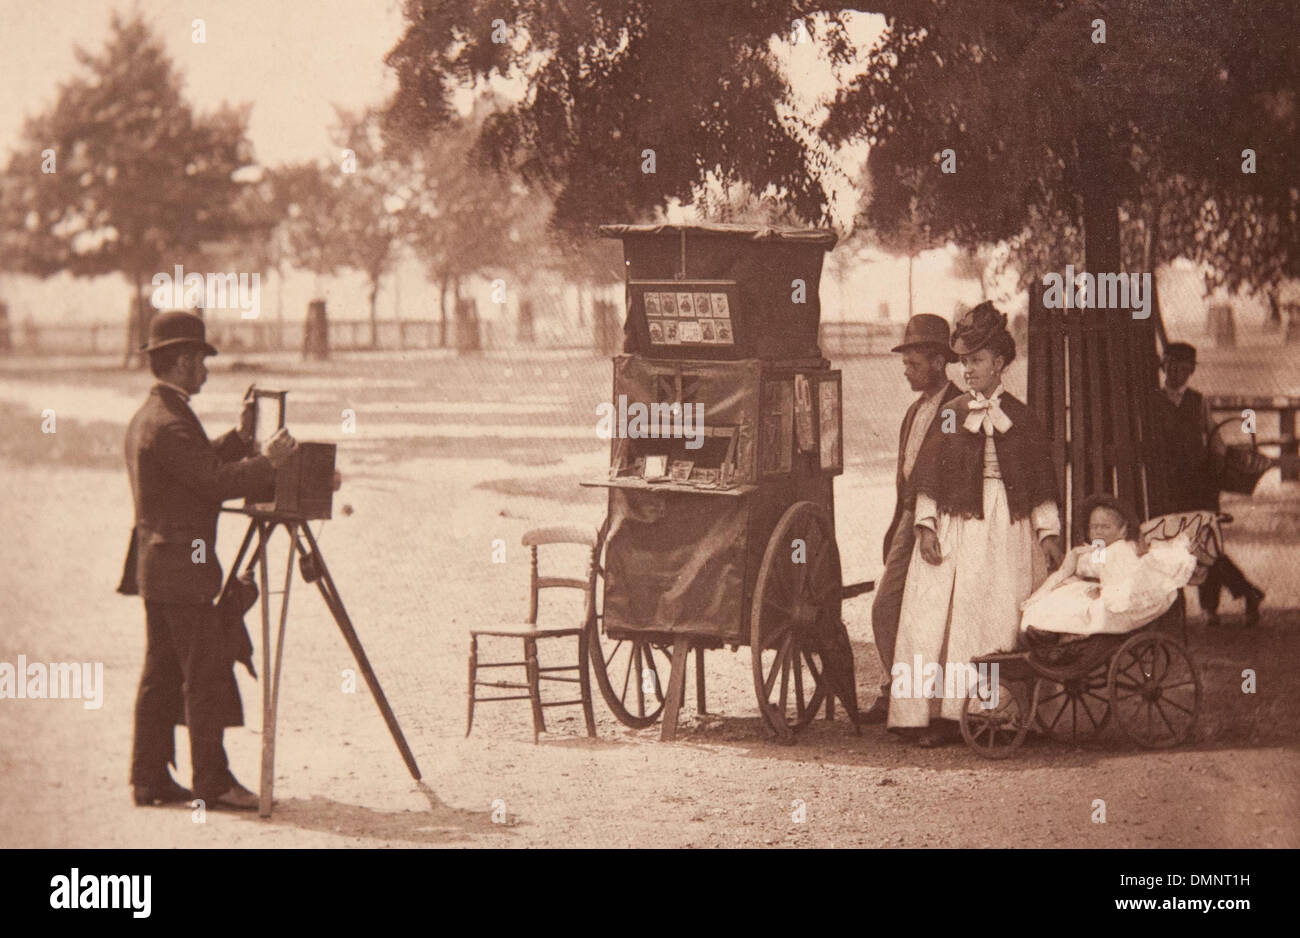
[700, 315]
[828, 411]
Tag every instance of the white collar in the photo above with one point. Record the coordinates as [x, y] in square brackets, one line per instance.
[177, 388]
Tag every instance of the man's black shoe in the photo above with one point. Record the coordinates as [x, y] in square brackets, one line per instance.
[166, 792]
[1253, 598]
[236, 798]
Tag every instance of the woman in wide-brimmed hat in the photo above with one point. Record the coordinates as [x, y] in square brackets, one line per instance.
[985, 497]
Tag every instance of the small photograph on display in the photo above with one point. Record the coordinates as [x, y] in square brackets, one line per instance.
[707, 332]
[690, 331]
[724, 330]
[685, 307]
[667, 303]
[702, 306]
[670, 334]
[679, 470]
[704, 476]
[719, 304]
[652, 304]
[657, 333]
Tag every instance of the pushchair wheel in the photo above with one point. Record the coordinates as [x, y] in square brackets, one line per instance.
[995, 726]
[1155, 690]
[1076, 709]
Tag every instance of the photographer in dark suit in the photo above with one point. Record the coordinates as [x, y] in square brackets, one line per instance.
[178, 481]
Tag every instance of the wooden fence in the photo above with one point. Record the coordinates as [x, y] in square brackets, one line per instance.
[1092, 373]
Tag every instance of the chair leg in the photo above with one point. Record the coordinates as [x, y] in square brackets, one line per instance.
[534, 687]
[473, 676]
[584, 682]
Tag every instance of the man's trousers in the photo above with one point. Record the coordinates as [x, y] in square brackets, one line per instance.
[887, 607]
[188, 678]
[1223, 572]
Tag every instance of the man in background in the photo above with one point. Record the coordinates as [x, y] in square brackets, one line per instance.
[926, 354]
[1184, 430]
[178, 481]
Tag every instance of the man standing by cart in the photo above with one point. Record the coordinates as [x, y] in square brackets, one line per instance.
[926, 354]
[178, 481]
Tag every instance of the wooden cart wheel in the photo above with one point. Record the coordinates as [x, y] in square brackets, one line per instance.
[995, 732]
[632, 674]
[1076, 709]
[796, 592]
[1155, 690]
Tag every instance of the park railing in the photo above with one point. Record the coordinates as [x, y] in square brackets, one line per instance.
[853, 339]
[345, 335]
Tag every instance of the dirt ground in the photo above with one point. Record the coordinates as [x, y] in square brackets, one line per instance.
[449, 456]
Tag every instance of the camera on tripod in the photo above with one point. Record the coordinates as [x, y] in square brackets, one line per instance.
[304, 484]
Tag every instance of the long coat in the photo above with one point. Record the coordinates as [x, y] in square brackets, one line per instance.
[179, 479]
[905, 499]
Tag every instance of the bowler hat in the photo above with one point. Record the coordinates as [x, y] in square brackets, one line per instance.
[1180, 351]
[177, 327]
[927, 331]
[977, 329]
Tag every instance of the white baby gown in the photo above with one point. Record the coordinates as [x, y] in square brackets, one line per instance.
[1133, 590]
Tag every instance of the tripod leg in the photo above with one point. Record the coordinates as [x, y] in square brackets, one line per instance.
[335, 604]
[268, 714]
[239, 558]
[269, 720]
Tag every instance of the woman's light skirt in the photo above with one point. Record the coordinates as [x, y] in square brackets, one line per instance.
[966, 606]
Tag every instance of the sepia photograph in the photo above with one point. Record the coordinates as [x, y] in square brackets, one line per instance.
[816, 424]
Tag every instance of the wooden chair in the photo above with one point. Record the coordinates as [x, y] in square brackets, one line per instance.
[530, 632]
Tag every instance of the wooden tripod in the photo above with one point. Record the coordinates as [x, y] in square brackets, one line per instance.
[313, 570]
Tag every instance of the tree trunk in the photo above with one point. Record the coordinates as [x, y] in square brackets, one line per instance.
[136, 324]
[442, 310]
[467, 326]
[1273, 321]
[910, 258]
[374, 311]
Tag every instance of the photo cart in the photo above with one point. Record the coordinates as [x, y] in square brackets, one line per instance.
[723, 533]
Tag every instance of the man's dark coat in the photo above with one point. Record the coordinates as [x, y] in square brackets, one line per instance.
[906, 499]
[179, 479]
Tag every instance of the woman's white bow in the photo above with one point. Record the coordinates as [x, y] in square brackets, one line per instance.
[986, 415]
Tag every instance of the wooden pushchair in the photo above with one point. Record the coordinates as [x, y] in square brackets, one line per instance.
[1146, 679]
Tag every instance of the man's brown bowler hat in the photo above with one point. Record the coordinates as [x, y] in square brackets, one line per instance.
[927, 331]
[174, 328]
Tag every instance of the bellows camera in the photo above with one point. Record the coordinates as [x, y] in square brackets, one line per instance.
[304, 485]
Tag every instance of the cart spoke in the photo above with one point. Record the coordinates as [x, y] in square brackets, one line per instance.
[640, 679]
[779, 633]
[785, 672]
[653, 668]
[627, 673]
[614, 652]
[1088, 711]
[1174, 703]
[798, 687]
[1165, 719]
[770, 680]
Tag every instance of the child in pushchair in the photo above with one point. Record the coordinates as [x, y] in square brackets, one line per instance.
[1117, 582]
[1097, 639]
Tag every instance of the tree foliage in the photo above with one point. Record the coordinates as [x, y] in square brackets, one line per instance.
[1058, 137]
[140, 182]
